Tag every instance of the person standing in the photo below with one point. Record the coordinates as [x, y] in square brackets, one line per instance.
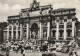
[71, 52]
[75, 54]
[7, 51]
[23, 52]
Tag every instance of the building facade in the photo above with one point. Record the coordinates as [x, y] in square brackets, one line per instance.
[2, 26]
[42, 23]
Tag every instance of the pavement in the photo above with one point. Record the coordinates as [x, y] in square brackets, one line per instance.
[60, 53]
[78, 51]
[40, 54]
[2, 53]
[26, 54]
[37, 54]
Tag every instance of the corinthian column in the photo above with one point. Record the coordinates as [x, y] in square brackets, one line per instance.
[27, 30]
[65, 21]
[73, 27]
[57, 29]
[7, 32]
[16, 32]
[21, 31]
[12, 30]
[48, 29]
[40, 30]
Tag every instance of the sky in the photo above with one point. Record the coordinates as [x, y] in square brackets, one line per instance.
[13, 7]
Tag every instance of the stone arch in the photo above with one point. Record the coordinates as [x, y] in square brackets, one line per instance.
[34, 30]
[34, 26]
[34, 23]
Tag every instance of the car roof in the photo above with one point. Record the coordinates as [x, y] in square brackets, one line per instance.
[48, 53]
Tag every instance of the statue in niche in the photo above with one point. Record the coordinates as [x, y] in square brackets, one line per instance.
[25, 35]
[45, 24]
[33, 34]
[45, 33]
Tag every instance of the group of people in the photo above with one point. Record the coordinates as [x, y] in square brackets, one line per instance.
[42, 48]
[72, 51]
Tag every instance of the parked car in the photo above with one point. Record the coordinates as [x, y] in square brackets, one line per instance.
[65, 49]
[14, 47]
[49, 54]
[52, 48]
[59, 48]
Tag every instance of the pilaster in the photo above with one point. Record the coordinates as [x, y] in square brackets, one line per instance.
[16, 32]
[65, 25]
[48, 29]
[73, 27]
[57, 29]
[12, 31]
[27, 29]
[7, 32]
[40, 29]
[21, 31]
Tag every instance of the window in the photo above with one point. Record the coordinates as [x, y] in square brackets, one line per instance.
[69, 33]
[61, 33]
[19, 35]
[10, 28]
[53, 33]
[14, 34]
[10, 33]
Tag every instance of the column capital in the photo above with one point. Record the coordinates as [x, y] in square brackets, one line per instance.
[73, 19]
[27, 21]
[12, 22]
[57, 19]
[40, 20]
[65, 20]
[65, 17]
[48, 19]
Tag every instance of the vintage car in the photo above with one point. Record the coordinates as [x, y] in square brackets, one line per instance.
[52, 48]
[65, 49]
[49, 54]
[59, 48]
